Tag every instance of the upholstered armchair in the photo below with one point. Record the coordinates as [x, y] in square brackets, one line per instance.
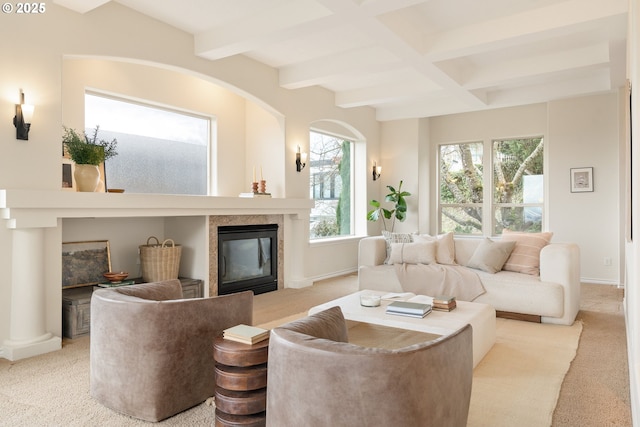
[316, 378]
[152, 351]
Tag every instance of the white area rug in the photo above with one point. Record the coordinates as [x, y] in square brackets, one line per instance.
[519, 380]
[516, 384]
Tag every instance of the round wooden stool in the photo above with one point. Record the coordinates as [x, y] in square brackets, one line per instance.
[241, 383]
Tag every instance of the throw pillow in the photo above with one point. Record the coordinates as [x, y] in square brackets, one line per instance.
[413, 253]
[395, 238]
[490, 256]
[445, 249]
[525, 257]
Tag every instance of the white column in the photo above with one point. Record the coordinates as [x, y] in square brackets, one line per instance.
[27, 334]
[295, 249]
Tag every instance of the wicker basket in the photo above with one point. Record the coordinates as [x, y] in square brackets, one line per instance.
[160, 261]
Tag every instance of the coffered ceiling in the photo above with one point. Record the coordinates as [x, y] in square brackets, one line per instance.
[413, 58]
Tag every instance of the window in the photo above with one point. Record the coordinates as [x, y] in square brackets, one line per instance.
[330, 162]
[516, 200]
[159, 150]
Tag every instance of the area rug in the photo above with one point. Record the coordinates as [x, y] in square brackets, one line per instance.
[517, 383]
[519, 380]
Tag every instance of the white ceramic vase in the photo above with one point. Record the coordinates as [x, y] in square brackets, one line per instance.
[87, 177]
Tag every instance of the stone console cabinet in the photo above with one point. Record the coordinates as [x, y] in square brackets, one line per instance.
[76, 306]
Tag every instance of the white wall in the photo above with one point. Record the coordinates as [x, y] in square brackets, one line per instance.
[584, 132]
[578, 132]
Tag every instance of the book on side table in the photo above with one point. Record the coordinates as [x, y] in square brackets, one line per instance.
[245, 334]
[408, 308]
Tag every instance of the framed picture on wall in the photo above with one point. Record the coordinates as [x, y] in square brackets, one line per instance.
[581, 180]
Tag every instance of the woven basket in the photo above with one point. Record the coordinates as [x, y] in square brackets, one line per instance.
[160, 261]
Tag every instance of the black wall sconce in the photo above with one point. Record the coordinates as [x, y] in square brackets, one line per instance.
[301, 160]
[22, 119]
[377, 170]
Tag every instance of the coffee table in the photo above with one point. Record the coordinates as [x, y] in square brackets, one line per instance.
[482, 318]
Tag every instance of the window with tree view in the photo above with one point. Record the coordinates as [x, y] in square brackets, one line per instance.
[516, 201]
[330, 163]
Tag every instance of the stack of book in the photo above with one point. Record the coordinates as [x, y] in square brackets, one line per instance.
[408, 308]
[444, 303]
[245, 334]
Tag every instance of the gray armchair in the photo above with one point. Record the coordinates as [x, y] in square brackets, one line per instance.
[152, 351]
[316, 378]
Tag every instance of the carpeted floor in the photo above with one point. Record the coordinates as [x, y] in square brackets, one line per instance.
[52, 389]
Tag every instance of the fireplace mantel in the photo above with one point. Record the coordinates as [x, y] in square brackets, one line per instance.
[34, 219]
[42, 208]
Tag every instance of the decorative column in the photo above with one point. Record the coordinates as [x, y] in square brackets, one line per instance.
[27, 333]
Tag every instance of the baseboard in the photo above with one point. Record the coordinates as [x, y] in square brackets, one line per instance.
[599, 281]
[334, 274]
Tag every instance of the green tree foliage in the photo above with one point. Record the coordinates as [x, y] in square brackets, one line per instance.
[461, 182]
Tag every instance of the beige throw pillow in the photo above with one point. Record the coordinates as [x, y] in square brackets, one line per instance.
[395, 238]
[490, 256]
[413, 253]
[445, 248]
[525, 257]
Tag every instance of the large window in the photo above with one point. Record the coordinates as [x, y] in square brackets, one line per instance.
[516, 199]
[331, 170]
[159, 150]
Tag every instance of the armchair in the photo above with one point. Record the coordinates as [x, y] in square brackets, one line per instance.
[316, 378]
[151, 351]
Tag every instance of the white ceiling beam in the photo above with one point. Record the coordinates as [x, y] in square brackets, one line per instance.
[250, 33]
[533, 25]
[81, 6]
[535, 66]
[382, 94]
[596, 81]
[322, 70]
[384, 37]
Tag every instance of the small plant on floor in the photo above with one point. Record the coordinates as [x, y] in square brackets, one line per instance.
[399, 211]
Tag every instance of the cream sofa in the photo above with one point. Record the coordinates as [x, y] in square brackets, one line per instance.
[554, 296]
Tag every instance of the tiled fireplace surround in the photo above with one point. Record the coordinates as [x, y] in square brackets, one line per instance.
[225, 220]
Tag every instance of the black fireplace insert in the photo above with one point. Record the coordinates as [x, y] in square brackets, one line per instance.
[247, 258]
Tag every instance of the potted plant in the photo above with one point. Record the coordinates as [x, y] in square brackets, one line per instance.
[87, 153]
[399, 211]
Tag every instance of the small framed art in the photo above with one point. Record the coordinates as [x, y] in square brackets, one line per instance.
[83, 263]
[581, 180]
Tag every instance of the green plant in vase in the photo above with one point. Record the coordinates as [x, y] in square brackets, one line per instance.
[87, 153]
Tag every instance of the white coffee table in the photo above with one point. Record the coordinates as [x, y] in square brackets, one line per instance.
[482, 318]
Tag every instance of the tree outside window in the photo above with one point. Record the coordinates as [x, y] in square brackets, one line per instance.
[330, 163]
[517, 197]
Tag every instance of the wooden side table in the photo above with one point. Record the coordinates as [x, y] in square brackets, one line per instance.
[241, 383]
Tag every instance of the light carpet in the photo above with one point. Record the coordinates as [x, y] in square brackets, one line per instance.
[517, 383]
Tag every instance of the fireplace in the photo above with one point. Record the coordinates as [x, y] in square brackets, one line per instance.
[247, 258]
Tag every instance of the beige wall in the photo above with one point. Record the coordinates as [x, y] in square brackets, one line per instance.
[578, 133]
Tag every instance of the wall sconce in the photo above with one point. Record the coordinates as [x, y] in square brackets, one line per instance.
[377, 170]
[301, 160]
[22, 119]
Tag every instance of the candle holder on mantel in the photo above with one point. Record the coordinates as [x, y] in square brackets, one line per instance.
[258, 189]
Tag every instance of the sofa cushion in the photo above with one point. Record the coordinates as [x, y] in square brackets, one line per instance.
[525, 257]
[522, 293]
[395, 238]
[413, 253]
[490, 256]
[445, 249]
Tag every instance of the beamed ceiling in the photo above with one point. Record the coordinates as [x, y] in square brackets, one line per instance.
[412, 58]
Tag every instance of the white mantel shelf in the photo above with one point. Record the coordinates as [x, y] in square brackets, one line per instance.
[42, 208]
